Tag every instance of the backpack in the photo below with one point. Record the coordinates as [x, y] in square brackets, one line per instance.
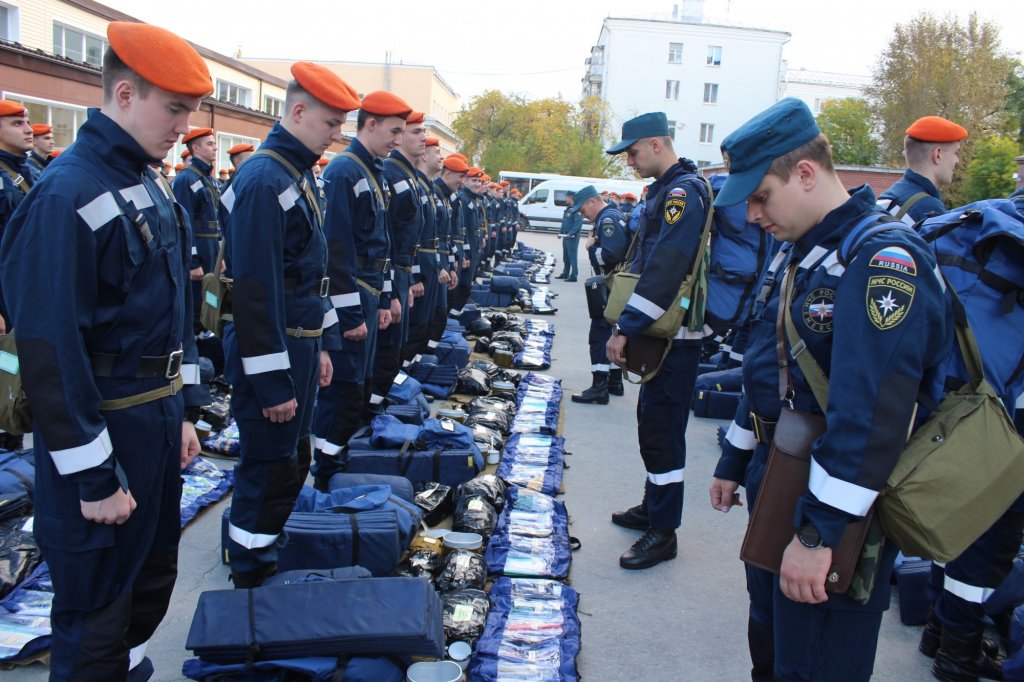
[739, 251]
[900, 211]
[980, 249]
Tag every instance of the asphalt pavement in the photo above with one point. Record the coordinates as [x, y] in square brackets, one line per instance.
[680, 621]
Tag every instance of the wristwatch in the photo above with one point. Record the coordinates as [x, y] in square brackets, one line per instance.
[809, 537]
[616, 331]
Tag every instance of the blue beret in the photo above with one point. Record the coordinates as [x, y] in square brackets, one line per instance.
[645, 125]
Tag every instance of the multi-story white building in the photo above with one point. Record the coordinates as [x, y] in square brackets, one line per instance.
[816, 87]
[707, 78]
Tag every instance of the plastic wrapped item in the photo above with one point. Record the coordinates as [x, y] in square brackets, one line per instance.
[465, 613]
[483, 344]
[202, 484]
[25, 617]
[19, 556]
[512, 338]
[479, 327]
[487, 437]
[473, 382]
[425, 564]
[462, 570]
[489, 487]
[474, 514]
[218, 413]
[226, 443]
[485, 366]
[436, 501]
[492, 402]
[499, 421]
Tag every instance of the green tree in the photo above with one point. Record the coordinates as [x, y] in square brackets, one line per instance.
[847, 124]
[990, 172]
[941, 67]
[508, 132]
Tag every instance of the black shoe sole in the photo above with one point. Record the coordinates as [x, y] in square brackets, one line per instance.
[578, 399]
[647, 564]
[618, 391]
[632, 526]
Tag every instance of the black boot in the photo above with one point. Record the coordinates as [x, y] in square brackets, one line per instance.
[252, 579]
[597, 394]
[615, 386]
[635, 518]
[932, 635]
[960, 659]
[656, 545]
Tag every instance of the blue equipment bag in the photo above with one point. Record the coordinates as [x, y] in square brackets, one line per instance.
[407, 414]
[314, 575]
[483, 296]
[980, 248]
[501, 284]
[437, 465]
[17, 472]
[400, 487]
[373, 616]
[519, 636]
[453, 349]
[533, 461]
[318, 669]
[912, 577]
[407, 391]
[531, 538]
[388, 432]
[444, 376]
[716, 404]
[739, 251]
[722, 380]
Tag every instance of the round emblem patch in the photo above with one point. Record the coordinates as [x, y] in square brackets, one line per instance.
[817, 310]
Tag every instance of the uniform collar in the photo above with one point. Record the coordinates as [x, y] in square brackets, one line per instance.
[400, 157]
[833, 227]
[288, 146]
[921, 181]
[112, 144]
[15, 161]
[201, 167]
[678, 168]
[443, 185]
[356, 147]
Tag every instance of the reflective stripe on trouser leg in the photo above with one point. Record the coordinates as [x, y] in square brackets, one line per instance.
[600, 332]
[663, 410]
[339, 414]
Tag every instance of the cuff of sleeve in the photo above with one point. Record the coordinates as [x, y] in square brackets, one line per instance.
[733, 467]
[829, 521]
[98, 482]
[272, 388]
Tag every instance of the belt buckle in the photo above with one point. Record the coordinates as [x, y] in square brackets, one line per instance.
[437, 242]
[174, 364]
[757, 428]
[325, 285]
[387, 265]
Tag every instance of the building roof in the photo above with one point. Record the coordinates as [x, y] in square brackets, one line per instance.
[344, 62]
[846, 80]
[699, 23]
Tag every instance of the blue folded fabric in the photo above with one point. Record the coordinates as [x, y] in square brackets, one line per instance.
[538, 397]
[531, 537]
[203, 483]
[315, 575]
[359, 499]
[723, 380]
[400, 487]
[533, 461]
[437, 465]
[372, 616]
[389, 432]
[407, 391]
[26, 611]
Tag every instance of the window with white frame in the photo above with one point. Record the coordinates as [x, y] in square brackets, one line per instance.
[707, 132]
[235, 94]
[10, 26]
[675, 53]
[65, 118]
[672, 90]
[273, 106]
[73, 43]
[714, 55]
[226, 141]
[711, 93]
[818, 101]
[703, 164]
[672, 129]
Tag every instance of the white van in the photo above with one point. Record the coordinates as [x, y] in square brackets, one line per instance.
[543, 207]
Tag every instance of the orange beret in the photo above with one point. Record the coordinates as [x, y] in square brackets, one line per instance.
[241, 147]
[322, 162]
[195, 134]
[41, 129]
[55, 153]
[504, 183]
[936, 129]
[223, 171]
[455, 164]
[461, 156]
[231, 170]
[475, 172]
[185, 154]
[630, 196]
[180, 167]
[415, 117]
[486, 178]
[326, 86]
[160, 57]
[382, 103]
[433, 141]
[9, 108]
[166, 165]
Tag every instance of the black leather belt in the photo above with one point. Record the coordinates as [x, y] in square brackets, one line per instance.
[291, 286]
[378, 264]
[764, 430]
[150, 366]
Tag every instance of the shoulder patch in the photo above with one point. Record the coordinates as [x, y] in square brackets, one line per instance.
[817, 310]
[674, 209]
[888, 300]
[677, 192]
[608, 229]
[894, 258]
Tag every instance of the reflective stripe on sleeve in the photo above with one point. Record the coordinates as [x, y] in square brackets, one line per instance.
[266, 363]
[138, 195]
[345, 300]
[250, 540]
[228, 199]
[646, 307]
[190, 374]
[740, 437]
[288, 197]
[73, 460]
[835, 492]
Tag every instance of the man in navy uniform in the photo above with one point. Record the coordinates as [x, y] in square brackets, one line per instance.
[277, 255]
[667, 250]
[198, 193]
[606, 247]
[238, 154]
[421, 316]
[446, 186]
[932, 151]
[42, 147]
[467, 237]
[406, 219]
[879, 325]
[569, 232]
[360, 288]
[105, 375]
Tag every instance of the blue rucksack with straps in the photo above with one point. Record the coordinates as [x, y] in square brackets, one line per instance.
[980, 250]
[739, 251]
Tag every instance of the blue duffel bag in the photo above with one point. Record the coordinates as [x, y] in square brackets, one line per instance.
[388, 432]
[407, 391]
[435, 378]
[17, 472]
[437, 465]
[369, 617]
[407, 414]
[722, 380]
[318, 669]
[400, 487]
[315, 575]
[360, 499]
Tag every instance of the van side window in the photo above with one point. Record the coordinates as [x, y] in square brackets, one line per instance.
[560, 197]
[538, 197]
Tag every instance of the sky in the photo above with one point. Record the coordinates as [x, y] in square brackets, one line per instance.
[536, 48]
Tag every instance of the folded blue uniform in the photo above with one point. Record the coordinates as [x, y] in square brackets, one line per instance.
[531, 537]
[372, 616]
[533, 461]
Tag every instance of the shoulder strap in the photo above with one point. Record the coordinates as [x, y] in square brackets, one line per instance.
[369, 176]
[905, 208]
[868, 227]
[298, 178]
[16, 177]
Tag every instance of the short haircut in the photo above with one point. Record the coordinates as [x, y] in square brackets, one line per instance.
[115, 70]
[293, 91]
[917, 151]
[365, 116]
[818, 150]
[666, 141]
